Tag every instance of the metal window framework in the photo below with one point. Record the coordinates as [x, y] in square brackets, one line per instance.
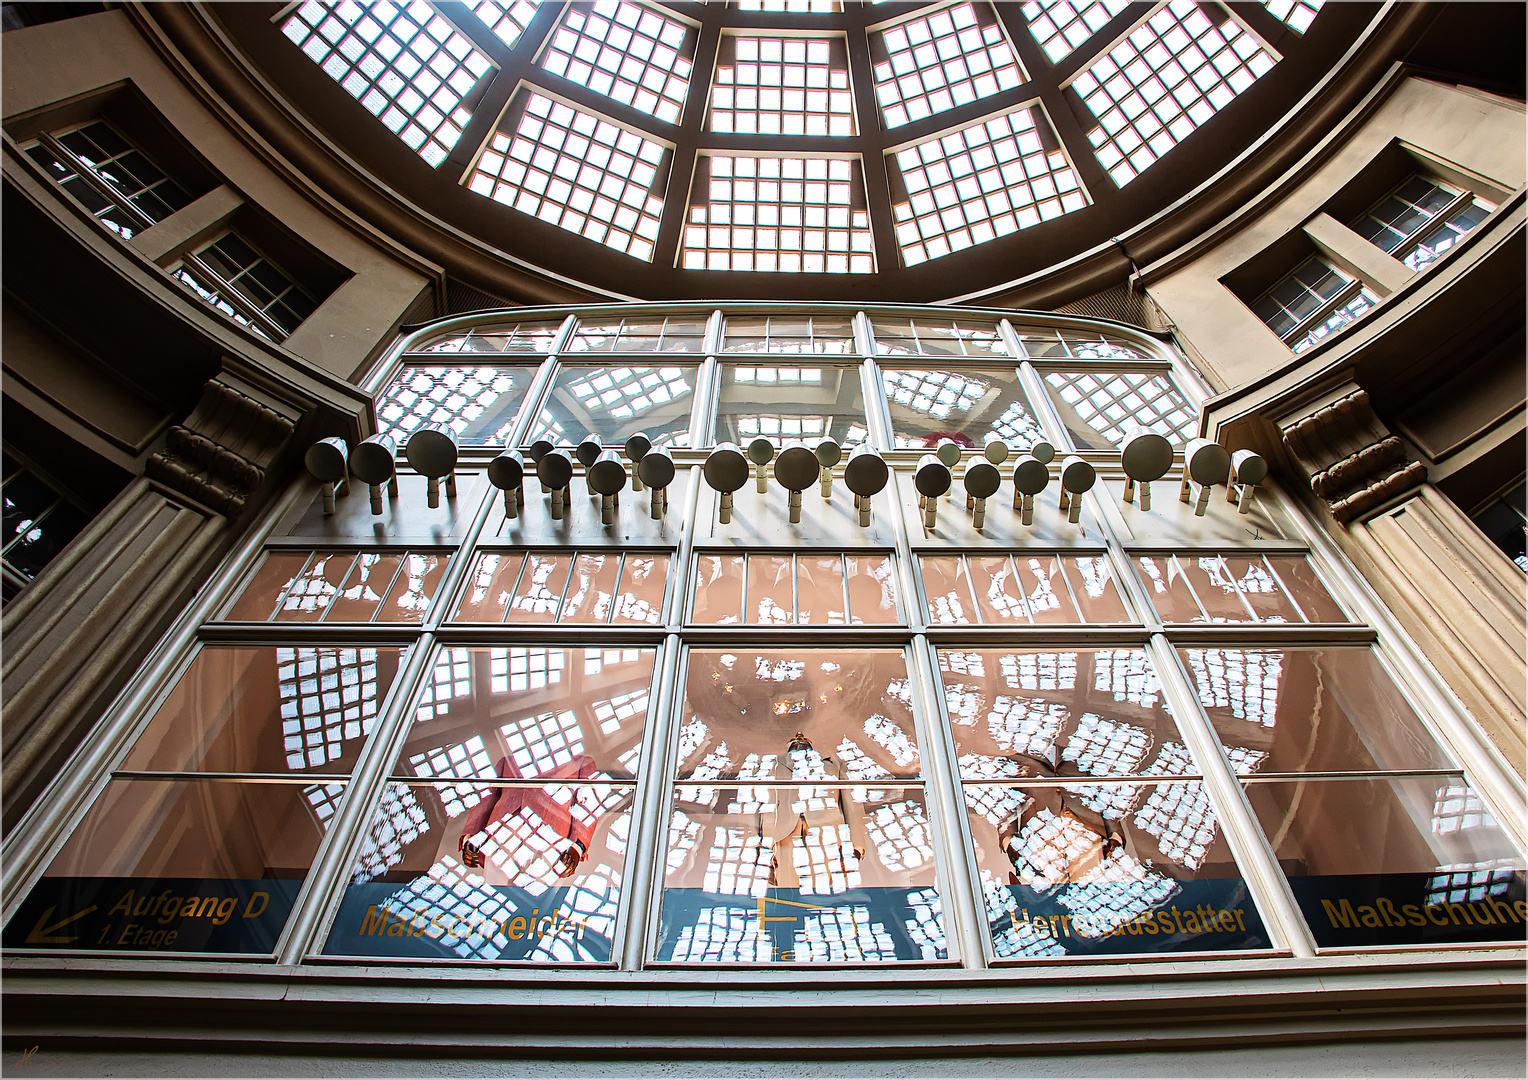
[29, 847]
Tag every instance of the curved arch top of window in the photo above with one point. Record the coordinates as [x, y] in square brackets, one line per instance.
[531, 337]
[405, 63]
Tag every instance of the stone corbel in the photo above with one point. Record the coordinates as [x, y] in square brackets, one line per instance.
[1353, 461]
[220, 455]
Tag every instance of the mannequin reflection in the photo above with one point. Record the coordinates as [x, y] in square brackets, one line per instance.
[504, 801]
[1055, 802]
[796, 820]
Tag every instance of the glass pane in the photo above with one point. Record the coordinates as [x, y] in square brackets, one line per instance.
[1167, 583]
[617, 403]
[539, 593]
[1415, 861]
[971, 406]
[540, 882]
[1098, 407]
[37, 545]
[258, 601]
[528, 712]
[1298, 576]
[771, 589]
[1049, 600]
[1035, 714]
[368, 581]
[489, 588]
[643, 581]
[1092, 581]
[1260, 589]
[27, 498]
[917, 337]
[591, 592]
[1310, 710]
[797, 714]
[1101, 869]
[719, 588]
[526, 337]
[478, 404]
[207, 866]
[820, 590]
[412, 589]
[872, 589]
[947, 590]
[311, 594]
[806, 875]
[791, 402]
[1215, 587]
[997, 589]
[268, 709]
[823, 335]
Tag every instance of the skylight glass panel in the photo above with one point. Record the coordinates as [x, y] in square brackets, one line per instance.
[406, 64]
[1298, 14]
[1098, 407]
[792, 7]
[1174, 72]
[977, 184]
[782, 86]
[577, 171]
[1060, 26]
[507, 21]
[626, 51]
[940, 61]
[779, 215]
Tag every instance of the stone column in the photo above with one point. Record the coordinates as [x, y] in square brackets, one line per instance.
[75, 635]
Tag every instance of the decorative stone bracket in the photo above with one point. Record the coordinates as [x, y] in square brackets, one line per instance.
[1352, 459]
[219, 456]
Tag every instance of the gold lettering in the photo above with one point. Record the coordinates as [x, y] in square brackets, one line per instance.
[250, 911]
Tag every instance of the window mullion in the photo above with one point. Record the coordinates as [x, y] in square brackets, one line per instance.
[1325, 311]
[1254, 857]
[94, 180]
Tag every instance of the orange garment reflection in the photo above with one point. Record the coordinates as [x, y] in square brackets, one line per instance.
[501, 802]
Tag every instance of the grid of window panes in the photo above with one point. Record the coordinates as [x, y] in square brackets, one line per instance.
[1061, 26]
[782, 86]
[824, 335]
[1311, 303]
[507, 21]
[934, 63]
[38, 522]
[788, 215]
[257, 281]
[788, 811]
[1298, 14]
[1170, 75]
[1422, 220]
[137, 192]
[974, 185]
[1098, 407]
[791, 7]
[626, 51]
[404, 62]
[579, 172]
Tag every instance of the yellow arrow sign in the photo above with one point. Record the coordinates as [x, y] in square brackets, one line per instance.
[39, 933]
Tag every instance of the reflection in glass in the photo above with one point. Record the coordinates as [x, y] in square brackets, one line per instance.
[602, 588]
[1236, 588]
[514, 873]
[528, 337]
[639, 336]
[341, 587]
[763, 874]
[917, 337]
[180, 866]
[268, 709]
[822, 335]
[1090, 869]
[798, 714]
[971, 406]
[1417, 859]
[478, 404]
[795, 590]
[1021, 589]
[1027, 713]
[1305, 710]
[1098, 407]
[791, 402]
[530, 712]
[616, 403]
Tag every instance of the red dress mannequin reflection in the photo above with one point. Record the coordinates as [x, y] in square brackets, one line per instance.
[500, 802]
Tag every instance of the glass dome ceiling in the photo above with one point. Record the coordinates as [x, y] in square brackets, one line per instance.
[793, 148]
